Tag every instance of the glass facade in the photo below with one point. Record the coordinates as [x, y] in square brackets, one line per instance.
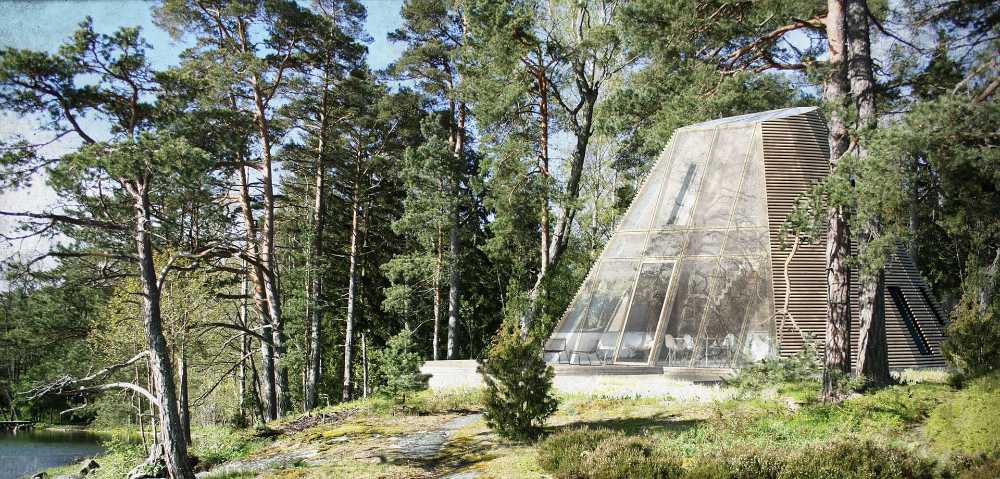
[685, 281]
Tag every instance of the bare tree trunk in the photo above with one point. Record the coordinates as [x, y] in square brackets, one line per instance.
[543, 163]
[351, 292]
[873, 354]
[256, 276]
[312, 266]
[364, 366]
[542, 90]
[583, 132]
[454, 241]
[437, 294]
[244, 349]
[914, 220]
[268, 261]
[172, 433]
[183, 406]
[453, 278]
[984, 293]
[838, 323]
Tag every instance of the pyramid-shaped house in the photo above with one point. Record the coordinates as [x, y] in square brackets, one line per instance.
[696, 275]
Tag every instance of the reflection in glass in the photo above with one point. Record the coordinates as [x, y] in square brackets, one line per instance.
[641, 211]
[667, 243]
[733, 298]
[705, 243]
[644, 314]
[722, 177]
[625, 245]
[685, 311]
[751, 204]
[681, 185]
[598, 330]
[685, 281]
[747, 242]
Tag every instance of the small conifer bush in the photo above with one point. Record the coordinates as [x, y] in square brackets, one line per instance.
[518, 395]
[399, 367]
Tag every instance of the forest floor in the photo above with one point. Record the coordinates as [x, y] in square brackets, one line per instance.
[443, 434]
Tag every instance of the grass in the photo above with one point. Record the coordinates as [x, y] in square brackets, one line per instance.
[355, 439]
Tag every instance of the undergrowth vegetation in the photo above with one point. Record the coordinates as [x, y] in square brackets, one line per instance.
[906, 431]
[969, 423]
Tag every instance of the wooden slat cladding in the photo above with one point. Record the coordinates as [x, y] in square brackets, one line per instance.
[796, 152]
[902, 273]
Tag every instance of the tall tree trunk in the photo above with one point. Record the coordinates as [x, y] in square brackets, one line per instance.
[172, 432]
[454, 241]
[543, 165]
[873, 353]
[837, 361]
[364, 367]
[268, 260]
[542, 90]
[244, 349]
[351, 291]
[453, 278]
[987, 282]
[583, 132]
[438, 266]
[914, 219]
[183, 405]
[256, 276]
[312, 266]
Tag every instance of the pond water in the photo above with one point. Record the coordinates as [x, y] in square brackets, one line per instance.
[28, 452]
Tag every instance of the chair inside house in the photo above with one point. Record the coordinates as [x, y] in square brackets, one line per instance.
[556, 346]
[673, 348]
[587, 345]
[719, 352]
[635, 346]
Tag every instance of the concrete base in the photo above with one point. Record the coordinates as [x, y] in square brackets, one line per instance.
[610, 380]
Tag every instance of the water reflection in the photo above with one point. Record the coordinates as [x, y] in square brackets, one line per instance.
[28, 452]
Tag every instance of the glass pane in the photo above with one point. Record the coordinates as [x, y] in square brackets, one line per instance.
[684, 177]
[644, 314]
[751, 204]
[641, 210]
[576, 310]
[733, 298]
[625, 245]
[722, 177]
[667, 243]
[747, 242]
[704, 243]
[597, 335]
[685, 311]
[760, 342]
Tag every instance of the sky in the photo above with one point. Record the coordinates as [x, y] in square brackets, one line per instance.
[44, 25]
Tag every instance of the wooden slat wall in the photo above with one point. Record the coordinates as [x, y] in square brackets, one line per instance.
[796, 152]
[903, 352]
[796, 156]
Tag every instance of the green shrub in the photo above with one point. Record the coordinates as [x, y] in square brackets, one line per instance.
[518, 396]
[854, 458]
[399, 367]
[969, 422]
[987, 470]
[973, 344]
[563, 453]
[801, 367]
[631, 457]
[743, 463]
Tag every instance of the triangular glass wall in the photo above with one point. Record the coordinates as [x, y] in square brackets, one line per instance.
[685, 281]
